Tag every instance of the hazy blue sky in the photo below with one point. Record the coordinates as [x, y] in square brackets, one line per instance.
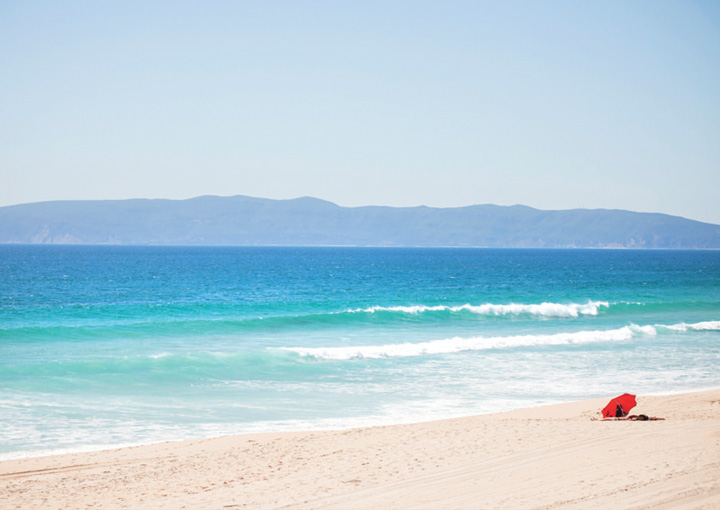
[551, 104]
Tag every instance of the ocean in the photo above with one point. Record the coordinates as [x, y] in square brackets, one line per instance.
[104, 347]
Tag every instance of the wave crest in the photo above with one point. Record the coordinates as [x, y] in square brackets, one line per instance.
[542, 309]
[698, 326]
[459, 344]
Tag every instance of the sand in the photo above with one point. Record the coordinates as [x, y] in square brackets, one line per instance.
[549, 457]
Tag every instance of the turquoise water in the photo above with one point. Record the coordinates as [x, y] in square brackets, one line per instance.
[110, 346]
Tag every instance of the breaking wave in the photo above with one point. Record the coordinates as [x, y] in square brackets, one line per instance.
[698, 326]
[459, 344]
[542, 309]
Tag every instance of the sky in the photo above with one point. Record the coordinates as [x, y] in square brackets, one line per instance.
[553, 104]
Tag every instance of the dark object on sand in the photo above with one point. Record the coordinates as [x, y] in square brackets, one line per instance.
[619, 407]
[643, 417]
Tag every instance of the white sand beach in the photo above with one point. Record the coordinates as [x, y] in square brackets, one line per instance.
[551, 457]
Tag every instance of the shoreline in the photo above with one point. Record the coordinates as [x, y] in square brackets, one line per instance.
[88, 449]
[543, 457]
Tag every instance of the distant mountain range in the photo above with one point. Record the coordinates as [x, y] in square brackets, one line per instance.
[248, 221]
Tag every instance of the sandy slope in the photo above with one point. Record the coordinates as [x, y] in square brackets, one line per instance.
[552, 457]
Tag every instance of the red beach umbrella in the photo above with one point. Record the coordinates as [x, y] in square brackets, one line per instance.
[619, 406]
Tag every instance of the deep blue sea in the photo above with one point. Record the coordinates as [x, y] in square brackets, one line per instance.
[109, 346]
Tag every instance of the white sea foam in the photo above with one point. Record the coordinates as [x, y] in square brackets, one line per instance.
[698, 326]
[459, 344]
[161, 355]
[542, 309]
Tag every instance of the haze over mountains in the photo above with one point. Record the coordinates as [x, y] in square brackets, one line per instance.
[248, 221]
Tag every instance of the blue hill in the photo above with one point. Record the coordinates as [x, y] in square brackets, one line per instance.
[248, 221]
